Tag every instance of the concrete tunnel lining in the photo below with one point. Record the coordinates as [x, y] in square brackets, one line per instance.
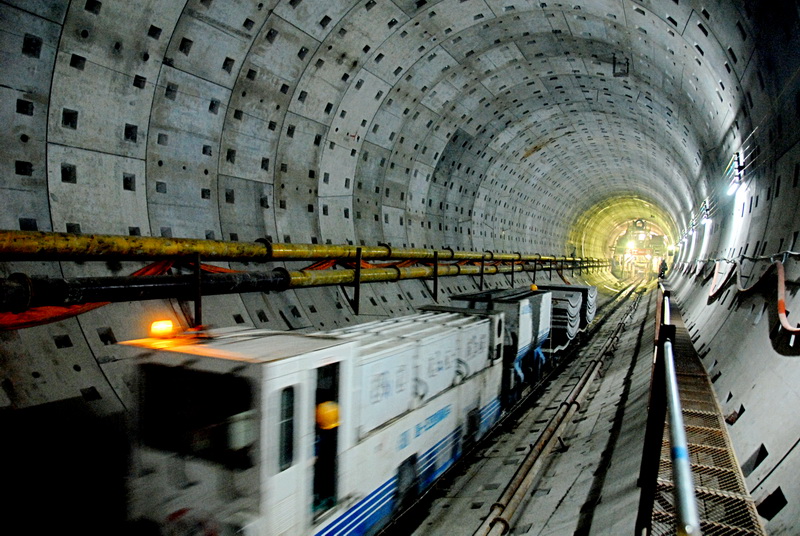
[498, 125]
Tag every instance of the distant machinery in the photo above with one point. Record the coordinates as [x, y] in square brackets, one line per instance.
[638, 251]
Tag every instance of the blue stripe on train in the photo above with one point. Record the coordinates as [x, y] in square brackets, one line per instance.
[490, 413]
[380, 503]
[367, 512]
[427, 469]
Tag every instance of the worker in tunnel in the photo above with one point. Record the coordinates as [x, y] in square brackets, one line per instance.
[325, 447]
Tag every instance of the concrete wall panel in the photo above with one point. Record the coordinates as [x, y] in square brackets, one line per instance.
[242, 211]
[97, 47]
[53, 362]
[82, 182]
[26, 99]
[314, 19]
[337, 221]
[208, 45]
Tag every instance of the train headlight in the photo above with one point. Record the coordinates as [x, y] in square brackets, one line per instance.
[161, 329]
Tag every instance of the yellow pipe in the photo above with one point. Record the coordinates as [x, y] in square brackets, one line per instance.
[320, 278]
[37, 245]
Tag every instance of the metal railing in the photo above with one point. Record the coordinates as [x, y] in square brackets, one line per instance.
[665, 400]
[687, 518]
[692, 445]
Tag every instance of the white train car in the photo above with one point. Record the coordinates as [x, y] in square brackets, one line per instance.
[247, 431]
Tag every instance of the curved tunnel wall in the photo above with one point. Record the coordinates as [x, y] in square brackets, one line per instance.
[483, 125]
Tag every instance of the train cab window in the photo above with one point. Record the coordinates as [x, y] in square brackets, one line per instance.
[286, 424]
[200, 414]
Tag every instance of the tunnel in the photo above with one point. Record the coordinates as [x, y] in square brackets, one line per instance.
[504, 126]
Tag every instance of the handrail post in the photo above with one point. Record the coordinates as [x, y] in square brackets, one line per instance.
[357, 283]
[198, 298]
[436, 276]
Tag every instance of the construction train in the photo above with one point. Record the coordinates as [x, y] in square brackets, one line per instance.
[256, 432]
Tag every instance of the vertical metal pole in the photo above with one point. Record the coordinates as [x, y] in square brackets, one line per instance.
[483, 265]
[198, 297]
[436, 276]
[357, 283]
[513, 267]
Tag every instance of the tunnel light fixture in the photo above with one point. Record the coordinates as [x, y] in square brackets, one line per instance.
[735, 172]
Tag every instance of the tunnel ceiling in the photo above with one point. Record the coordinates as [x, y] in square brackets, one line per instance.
[473, 124]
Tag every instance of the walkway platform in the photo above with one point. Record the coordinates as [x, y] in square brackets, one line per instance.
[724, 504]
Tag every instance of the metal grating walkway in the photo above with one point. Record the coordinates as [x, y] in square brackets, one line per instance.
[724, 505]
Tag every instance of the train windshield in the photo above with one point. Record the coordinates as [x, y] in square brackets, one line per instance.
[197, 413]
